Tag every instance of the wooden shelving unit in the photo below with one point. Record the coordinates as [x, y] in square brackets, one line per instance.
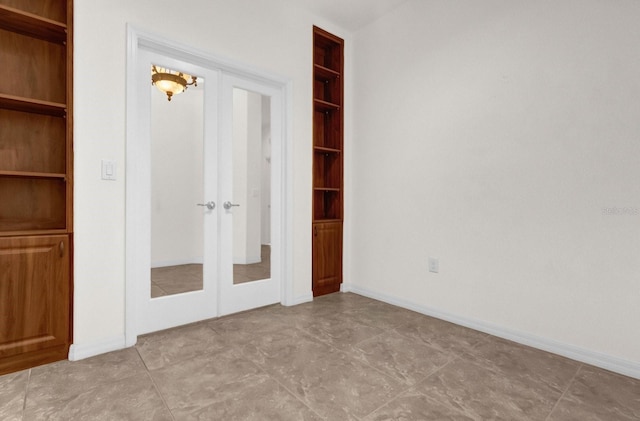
[36, 181]
[328, 161]
[28, 105]
[32, 25]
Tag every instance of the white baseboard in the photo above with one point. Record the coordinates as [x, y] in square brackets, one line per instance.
[608, 362]
[81, 351]
[301, 299]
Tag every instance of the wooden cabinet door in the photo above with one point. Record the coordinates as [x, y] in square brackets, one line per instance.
[34, 301]
[327, 257]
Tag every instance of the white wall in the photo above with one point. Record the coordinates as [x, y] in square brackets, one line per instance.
[495, 135]
[489, 134]
[273, 35]
[177, 224]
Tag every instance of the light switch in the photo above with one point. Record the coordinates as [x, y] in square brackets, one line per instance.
[434, 265]
[108, 170]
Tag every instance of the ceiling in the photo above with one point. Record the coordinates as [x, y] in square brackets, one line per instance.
[350, 14]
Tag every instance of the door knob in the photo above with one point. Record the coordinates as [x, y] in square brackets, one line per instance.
[228, 205]
[209, 205]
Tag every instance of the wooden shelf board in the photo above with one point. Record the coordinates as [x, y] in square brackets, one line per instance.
[32, 174]
[327, 189]
[325, 106]
[21, 231]
[32, 25]
[35, 106]
[322, 220]
[325, 73]
[323, 149]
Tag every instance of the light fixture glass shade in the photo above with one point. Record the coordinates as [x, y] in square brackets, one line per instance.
[171, 82]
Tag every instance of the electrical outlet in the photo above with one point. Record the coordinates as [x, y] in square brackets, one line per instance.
[434, 265]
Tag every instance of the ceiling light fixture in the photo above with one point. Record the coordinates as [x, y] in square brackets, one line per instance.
[171, 82]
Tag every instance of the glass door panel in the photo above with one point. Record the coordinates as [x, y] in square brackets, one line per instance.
[251, 186]
[177, 190]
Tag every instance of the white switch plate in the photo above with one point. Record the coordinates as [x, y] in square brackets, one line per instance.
[109, 170]
[434, 264]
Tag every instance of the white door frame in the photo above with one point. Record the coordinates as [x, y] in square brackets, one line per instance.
[136, 243]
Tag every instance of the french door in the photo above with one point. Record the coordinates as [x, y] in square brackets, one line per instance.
[250, 185]
[179, 212]
[206, 230]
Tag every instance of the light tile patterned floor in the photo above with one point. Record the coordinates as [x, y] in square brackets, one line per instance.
[342, 357]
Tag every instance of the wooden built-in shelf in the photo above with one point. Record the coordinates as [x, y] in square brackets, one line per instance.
[325, 105]
[32, 174]
[29, 105]
[32, 25]
[13, 227]
[33, 232]
[327, 189]
[324, 73]
[323, 149]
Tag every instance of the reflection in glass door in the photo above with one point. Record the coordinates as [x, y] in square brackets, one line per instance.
[177, 222]
[251, 173]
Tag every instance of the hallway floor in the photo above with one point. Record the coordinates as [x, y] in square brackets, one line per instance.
[170, 280]
[341, 357]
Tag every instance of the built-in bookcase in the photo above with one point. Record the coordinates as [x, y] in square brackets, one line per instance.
[328, 161]
[36, 181]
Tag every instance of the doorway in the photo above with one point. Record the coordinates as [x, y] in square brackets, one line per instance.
[207, 257]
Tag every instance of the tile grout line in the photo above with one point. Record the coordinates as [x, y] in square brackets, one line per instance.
[155, 386]
[409, 387]
[295, 395]
[428, 345]
[262, 370]
[347, 353]
[564, 392]
[312, 337]
[26, 392]
[400, 381]
[413, 386]
[335, 349]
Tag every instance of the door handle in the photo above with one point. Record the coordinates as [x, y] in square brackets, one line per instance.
[228, 205]
[209, 205]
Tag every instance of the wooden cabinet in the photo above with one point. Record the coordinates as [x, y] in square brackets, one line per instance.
[327, 257]
[36, 181]
[328, 161]
[34, 297]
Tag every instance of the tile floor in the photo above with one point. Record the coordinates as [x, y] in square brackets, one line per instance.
[342, 357]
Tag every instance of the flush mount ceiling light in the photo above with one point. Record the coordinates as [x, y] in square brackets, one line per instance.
[171, 82]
